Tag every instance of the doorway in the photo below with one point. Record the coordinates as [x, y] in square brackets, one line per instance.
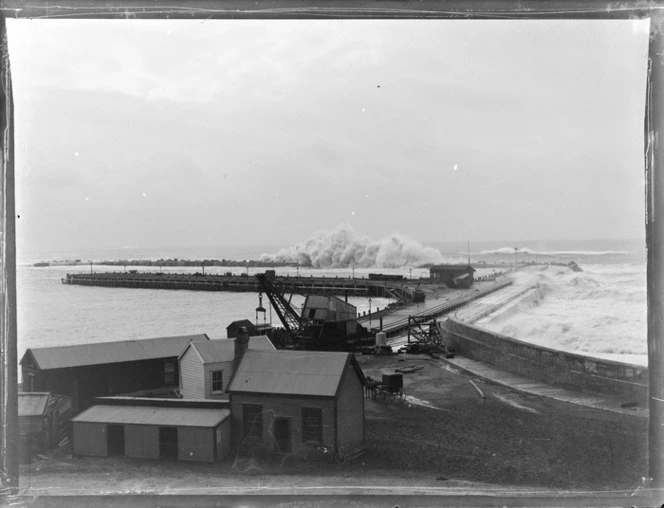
[115, 440]
[168, 442]
[282, 435]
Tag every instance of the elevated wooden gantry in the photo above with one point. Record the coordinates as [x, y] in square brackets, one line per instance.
[345, 9]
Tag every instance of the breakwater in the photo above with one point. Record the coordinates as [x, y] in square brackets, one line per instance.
[568, 370]
[243, 283]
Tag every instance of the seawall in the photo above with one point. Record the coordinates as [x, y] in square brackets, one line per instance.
[559, 368]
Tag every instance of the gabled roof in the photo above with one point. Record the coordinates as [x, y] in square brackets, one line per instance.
[60, 357]
[223, 350]
[241, 322]
[32, 403]
[148, 415]
[323, 302]
[292, 372]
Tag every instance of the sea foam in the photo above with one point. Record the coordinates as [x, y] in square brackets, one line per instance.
[343, 247]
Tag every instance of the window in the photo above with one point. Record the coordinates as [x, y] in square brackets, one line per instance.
[217, 381]
[170, 372]
[312, 424]
[252, 421]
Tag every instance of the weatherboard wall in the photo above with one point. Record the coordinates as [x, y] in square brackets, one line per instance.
[227, 372]
[196, 376]
[350, 411]
[196, 444]
[192, 376]
[199, 444]
[89, 439]
[141, 441]
[276, 406]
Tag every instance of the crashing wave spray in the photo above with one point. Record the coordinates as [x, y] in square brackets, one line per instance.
[342, 247]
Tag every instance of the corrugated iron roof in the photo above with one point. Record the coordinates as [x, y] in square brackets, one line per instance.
[223, 350]
[162, 416]
[32, 403]
[290, 372]
[99, 353]
[261, 343]
[327, 302]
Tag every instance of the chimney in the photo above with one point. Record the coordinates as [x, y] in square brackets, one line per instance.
[241, 344]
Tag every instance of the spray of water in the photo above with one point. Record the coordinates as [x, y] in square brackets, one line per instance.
[343, 247]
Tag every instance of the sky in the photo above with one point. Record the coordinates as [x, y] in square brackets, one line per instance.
[161, 133]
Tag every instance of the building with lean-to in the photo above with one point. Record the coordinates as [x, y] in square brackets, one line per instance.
[453, 276]
[86, 371]
[289, 402]
[153, 429]
[206, 367]
[42, 419]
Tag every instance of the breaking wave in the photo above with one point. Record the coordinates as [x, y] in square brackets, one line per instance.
[602, 310]
[553, 253]
[343, 247]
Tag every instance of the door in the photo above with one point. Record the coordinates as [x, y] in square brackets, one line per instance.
[115, 440]
[168, 442]
[282, 435]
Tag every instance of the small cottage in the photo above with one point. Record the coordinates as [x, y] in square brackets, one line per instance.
[287, 401]
[206, 367]
[153, 429]
[86, 371]
[42, 419]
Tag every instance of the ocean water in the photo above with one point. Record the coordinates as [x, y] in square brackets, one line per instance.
[601, 310]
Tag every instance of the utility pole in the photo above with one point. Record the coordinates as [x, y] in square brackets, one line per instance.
[515, 250]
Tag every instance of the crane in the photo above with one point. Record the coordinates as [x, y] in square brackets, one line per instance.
[290, 318]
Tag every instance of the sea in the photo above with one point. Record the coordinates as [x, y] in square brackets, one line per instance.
[600, 311]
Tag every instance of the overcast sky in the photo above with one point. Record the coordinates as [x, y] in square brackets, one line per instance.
[159, 133]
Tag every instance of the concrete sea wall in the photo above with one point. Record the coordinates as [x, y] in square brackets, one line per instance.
[569, 370]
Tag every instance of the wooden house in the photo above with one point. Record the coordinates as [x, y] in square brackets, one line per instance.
[153, 429]
[42, 419]
[289, 402]
[454, 276]
[206, 367]
[85, 371]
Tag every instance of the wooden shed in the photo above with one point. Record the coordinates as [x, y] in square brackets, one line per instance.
[206, 368]
[330, 312]
[287, 401]
[234, 328]
[201, 434]
[454, 276]
[42, 419]
[85, 371]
